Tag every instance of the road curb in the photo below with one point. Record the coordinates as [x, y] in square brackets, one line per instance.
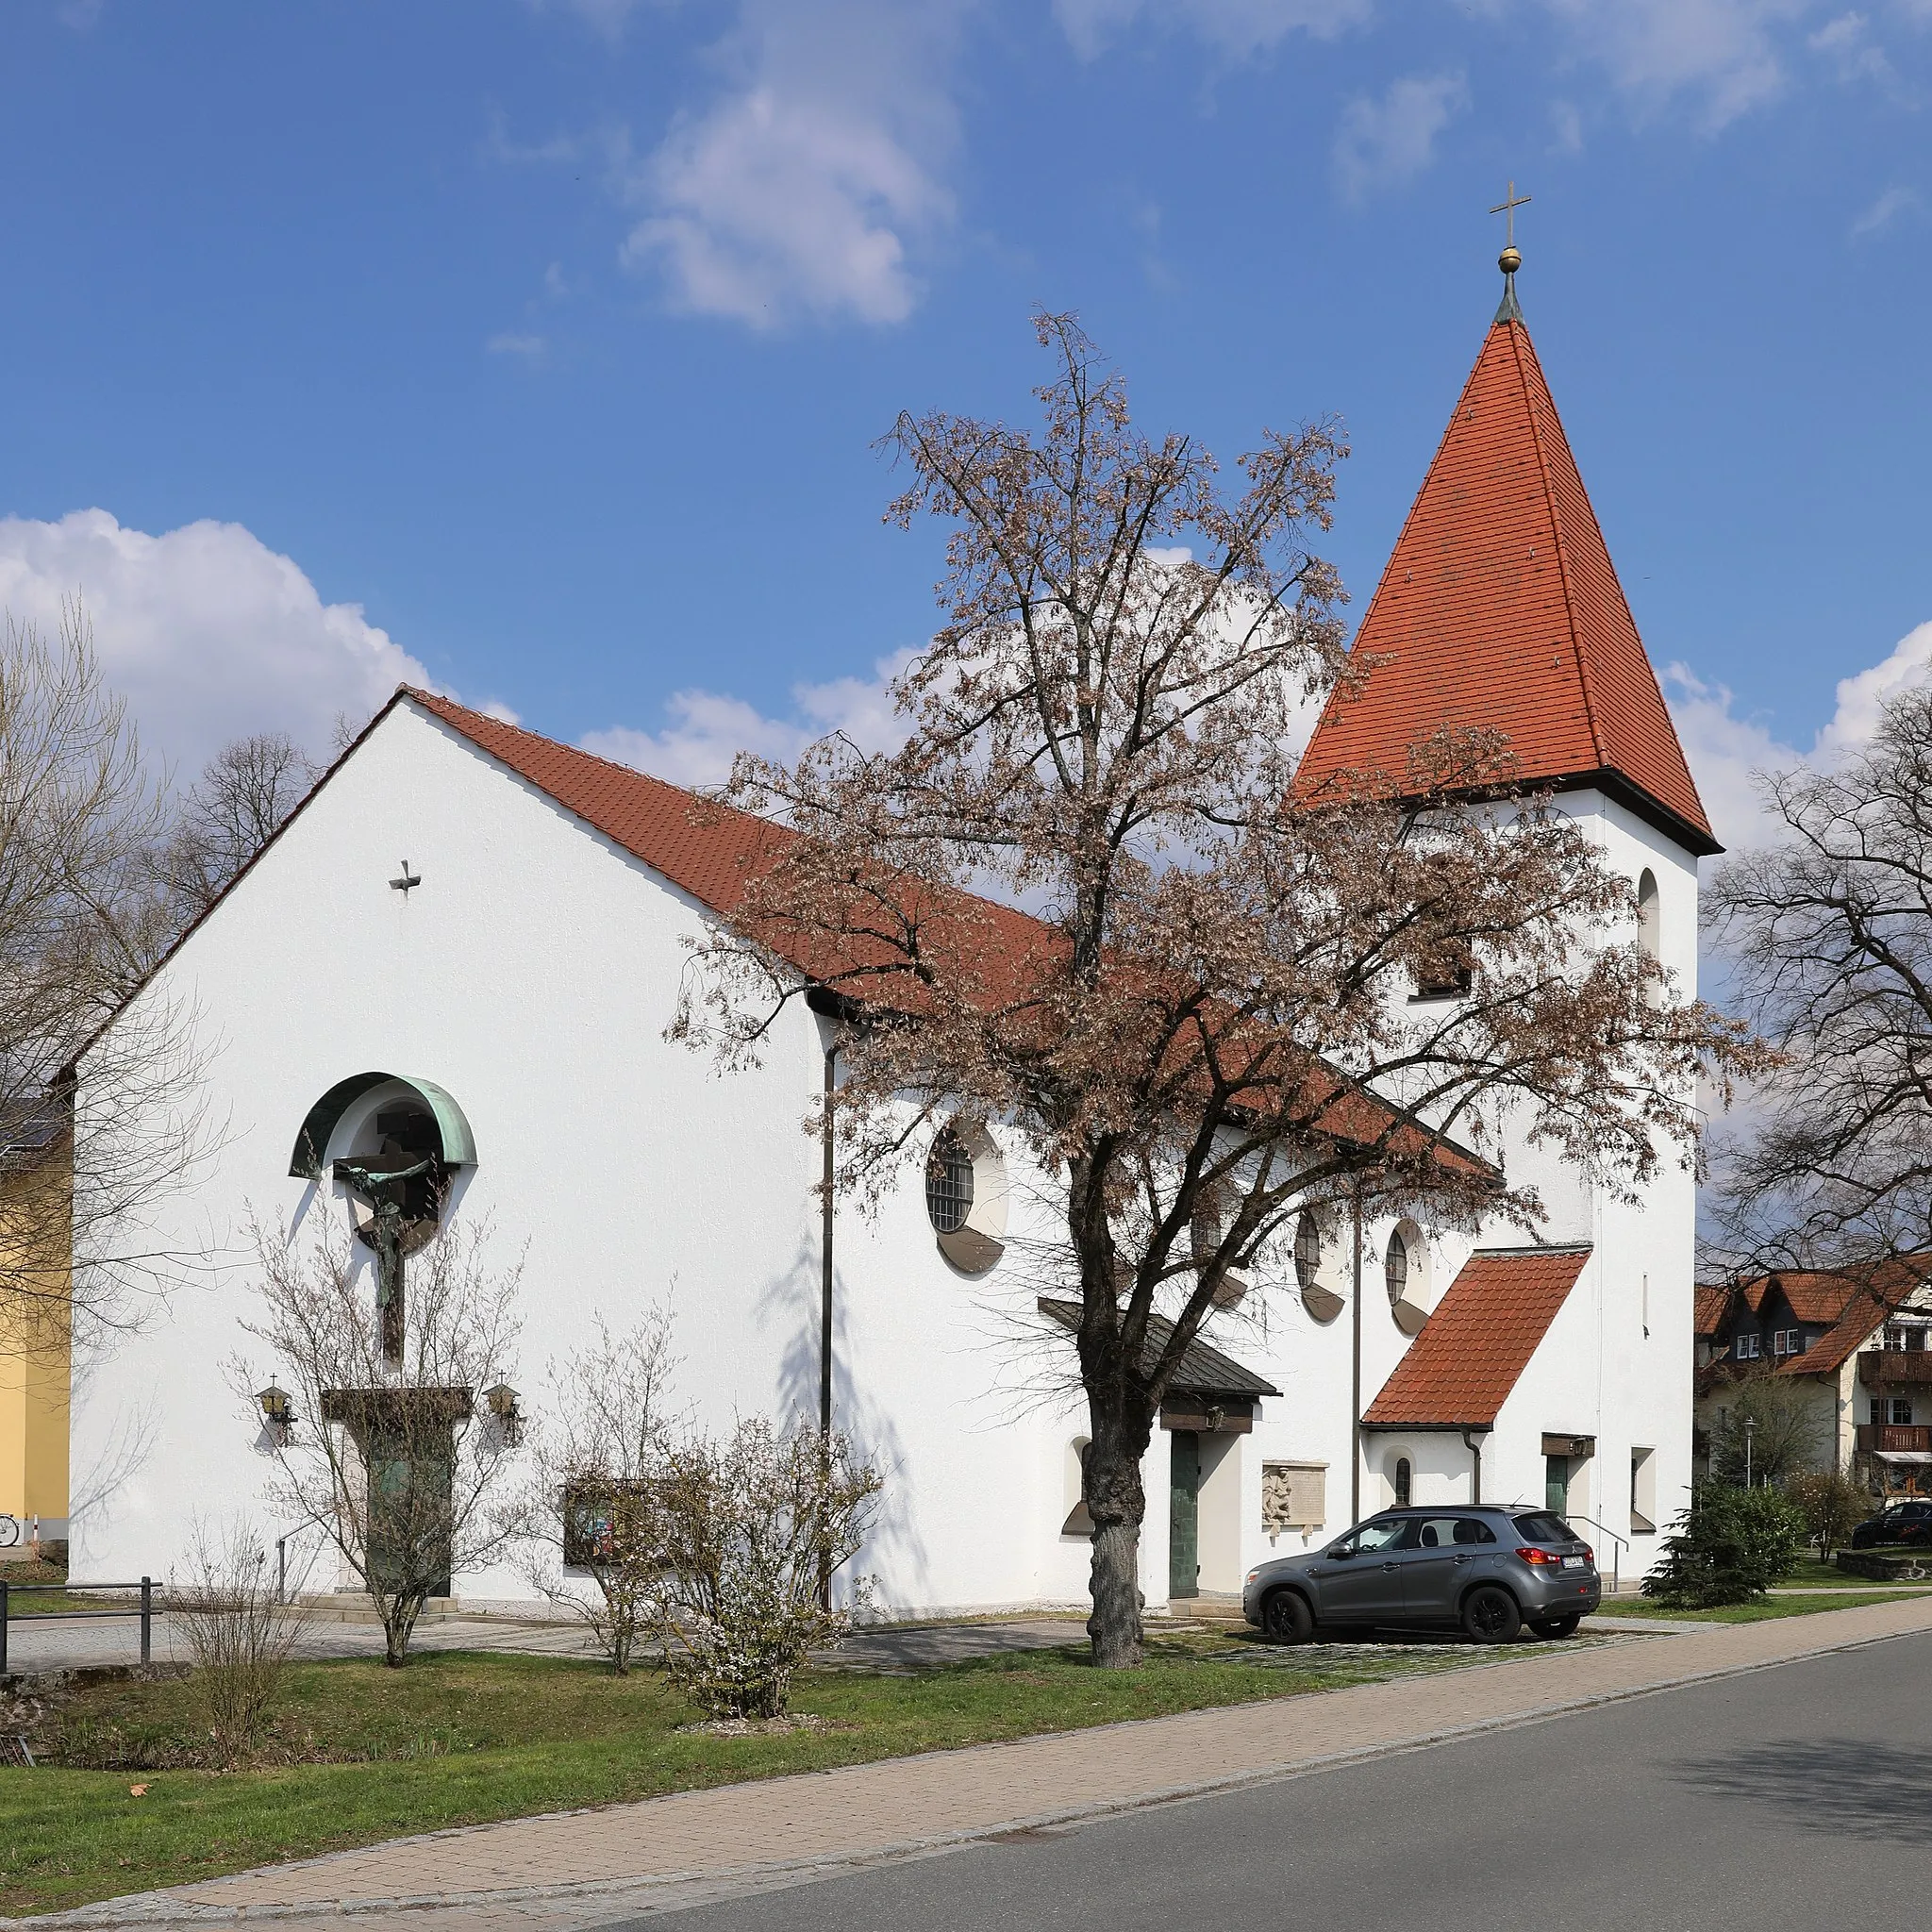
[665, 1890]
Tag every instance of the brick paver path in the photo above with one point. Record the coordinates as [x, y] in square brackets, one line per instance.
[588, 1868]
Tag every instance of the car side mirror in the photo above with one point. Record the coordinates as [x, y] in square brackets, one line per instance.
[1342, 1555]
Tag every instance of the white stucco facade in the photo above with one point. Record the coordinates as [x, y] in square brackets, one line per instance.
[531, 976]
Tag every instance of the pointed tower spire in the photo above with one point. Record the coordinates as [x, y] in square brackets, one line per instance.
[1500, 609]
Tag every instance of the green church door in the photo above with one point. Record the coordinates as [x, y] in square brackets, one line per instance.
[1555, 1483]
[1184, 1515]
[410, 1510]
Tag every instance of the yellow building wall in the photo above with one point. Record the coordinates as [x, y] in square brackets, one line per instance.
[35, 1357]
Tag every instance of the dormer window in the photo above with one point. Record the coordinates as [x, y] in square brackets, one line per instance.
[1446, 978]
[1745, 1348]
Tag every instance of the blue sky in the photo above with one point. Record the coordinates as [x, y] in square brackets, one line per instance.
[539, 348]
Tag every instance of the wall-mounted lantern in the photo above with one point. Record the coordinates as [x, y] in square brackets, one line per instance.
[278, 1407]
[510, 1418]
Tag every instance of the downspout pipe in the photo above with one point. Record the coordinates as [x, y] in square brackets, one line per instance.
[826, 1227]
[1473, 1441]
[1355, 1402]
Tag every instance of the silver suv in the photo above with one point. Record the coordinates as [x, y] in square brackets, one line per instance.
[1484, 1570]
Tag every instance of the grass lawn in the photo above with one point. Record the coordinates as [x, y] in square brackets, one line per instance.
[1757, 1613]
[462, 1738]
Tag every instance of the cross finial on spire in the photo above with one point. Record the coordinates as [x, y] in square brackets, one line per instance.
[1509, 206]
[1510, 259]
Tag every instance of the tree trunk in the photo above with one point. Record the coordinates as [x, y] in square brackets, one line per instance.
[399, 1614]
[1117, 1503]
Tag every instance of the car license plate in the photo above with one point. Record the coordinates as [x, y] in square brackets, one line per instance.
[1572, 1562]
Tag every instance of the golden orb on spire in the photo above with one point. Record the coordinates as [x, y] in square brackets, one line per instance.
[1510, 259]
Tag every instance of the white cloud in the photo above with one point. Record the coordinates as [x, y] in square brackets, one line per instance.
[1884, 211]
[530, 349]
[205, 631]
[1846, 43]
[1237, 27]
[810, 185]
[707, 729]
[1725, 51]
[1724, 748]
[1860, 698]
[1382, 144]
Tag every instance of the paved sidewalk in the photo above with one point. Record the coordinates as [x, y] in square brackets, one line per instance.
[584, 1868]
[65, 1645]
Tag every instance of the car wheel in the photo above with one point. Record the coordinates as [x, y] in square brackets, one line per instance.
[1557, 1627]
[1490, 1615]
[1284, 1618]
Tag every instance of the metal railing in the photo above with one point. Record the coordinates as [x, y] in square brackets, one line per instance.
[1623, 1543]
[9, 1616]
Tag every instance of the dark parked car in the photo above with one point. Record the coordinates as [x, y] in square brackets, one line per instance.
[1897, 1523]
[1485, 1572]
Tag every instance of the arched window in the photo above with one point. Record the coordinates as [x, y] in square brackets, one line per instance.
[1404, 1482]
[1649, 927]
[1077, 1520]
[1395, 1266]
[1308, 1251]
[948, 1183]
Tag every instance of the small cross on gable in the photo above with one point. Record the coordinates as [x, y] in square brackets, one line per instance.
[407, 881]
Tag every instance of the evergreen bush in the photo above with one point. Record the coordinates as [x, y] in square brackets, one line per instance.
[1729, 1547]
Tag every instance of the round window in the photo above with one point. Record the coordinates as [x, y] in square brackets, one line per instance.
[1395, 1268]
[948, 1183]
[1308, 1251]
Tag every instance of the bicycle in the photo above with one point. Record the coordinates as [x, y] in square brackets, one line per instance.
[9, 1530]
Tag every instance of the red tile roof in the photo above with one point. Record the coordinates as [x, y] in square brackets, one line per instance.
[1886, 1287]
[706, 849]
[1500, 609]
[1817, 1298]
[709, 850]
[1712, 1303]
[1475, 1347]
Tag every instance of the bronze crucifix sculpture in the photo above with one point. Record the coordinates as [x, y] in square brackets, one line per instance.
[382, 1181]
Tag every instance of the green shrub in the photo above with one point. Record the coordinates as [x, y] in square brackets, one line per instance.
[1731, 1545]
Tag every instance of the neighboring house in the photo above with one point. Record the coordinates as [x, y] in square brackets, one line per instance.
[36, 1178]
[465, 946]
[1860, 1341]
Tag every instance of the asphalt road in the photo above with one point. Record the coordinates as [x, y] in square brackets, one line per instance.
[1787, 1800]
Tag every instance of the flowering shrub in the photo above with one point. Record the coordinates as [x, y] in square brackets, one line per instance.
[755, 1529]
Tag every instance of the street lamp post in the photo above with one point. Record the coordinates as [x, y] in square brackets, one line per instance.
[1748, 1425]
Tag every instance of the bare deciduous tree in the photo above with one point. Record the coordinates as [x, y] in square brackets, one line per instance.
[1829, 935]
[1771, 1426]
[238, 1631]
[395, 1456]
[599, 1458]
[230, 813]
[80, 926]
[1206, 1029]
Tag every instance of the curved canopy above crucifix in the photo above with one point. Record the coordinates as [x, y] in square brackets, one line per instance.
[456, 1145]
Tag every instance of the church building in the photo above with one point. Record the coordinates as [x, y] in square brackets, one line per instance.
[468, 942]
